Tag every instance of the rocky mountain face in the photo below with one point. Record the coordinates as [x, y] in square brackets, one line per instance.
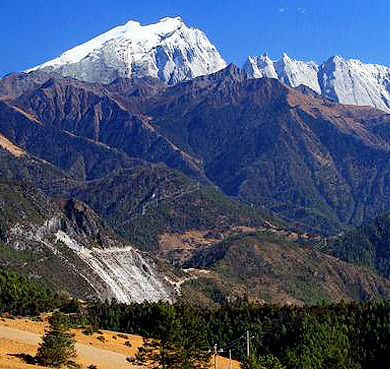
[291, 151]
[88, 120]
[304, 157]
[67, 246]
[167, 50]
[347, 81]
[290, 71]
[353, 82]
[180, 170]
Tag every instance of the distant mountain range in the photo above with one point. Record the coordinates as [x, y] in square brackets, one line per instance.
[348, 82]
[140, 153]
[176, 170]
[172, 52]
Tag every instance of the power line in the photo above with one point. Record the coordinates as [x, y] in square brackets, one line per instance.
[232, 344]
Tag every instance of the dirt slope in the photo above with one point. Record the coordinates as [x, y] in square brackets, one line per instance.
[14, 341]
[22, 336]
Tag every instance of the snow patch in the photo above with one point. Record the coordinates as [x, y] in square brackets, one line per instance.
[356, 83]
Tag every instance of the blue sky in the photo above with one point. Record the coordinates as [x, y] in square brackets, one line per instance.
[34, 31]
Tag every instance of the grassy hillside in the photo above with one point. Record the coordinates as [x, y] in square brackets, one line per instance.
[273, 269]
[33, 170]
[22, 202]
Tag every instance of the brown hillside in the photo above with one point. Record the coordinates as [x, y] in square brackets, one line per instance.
[21, 337]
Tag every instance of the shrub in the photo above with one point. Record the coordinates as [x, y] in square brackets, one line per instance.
[88, 330]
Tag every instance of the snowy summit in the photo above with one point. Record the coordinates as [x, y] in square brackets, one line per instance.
[167, 50]
[347, 81]
[290, 71]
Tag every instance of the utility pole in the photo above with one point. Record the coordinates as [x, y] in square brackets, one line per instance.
[247, 343]
[215, 356]
[230, 358]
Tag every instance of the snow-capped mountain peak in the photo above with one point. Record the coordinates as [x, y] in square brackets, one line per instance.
[290, 71]
[348, 81]
[260, 66]
[351, 81]
[168, 50]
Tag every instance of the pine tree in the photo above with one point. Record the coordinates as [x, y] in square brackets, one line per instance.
[58, 344]
[262, 362]
[181, 342]
[191, 348]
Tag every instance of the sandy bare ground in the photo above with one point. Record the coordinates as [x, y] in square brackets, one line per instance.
[86, 354]
[22, 336]
[10, 147]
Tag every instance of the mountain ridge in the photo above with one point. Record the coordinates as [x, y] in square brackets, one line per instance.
[199, 126]
[172, 52]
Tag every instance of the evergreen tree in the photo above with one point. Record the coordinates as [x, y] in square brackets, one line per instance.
[255, 361]
[58, 344]
[251, 362]
[181, 342]
[160, 353]
[191, 348]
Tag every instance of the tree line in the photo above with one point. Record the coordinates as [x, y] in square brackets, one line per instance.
[341, 335]
[21, 296]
